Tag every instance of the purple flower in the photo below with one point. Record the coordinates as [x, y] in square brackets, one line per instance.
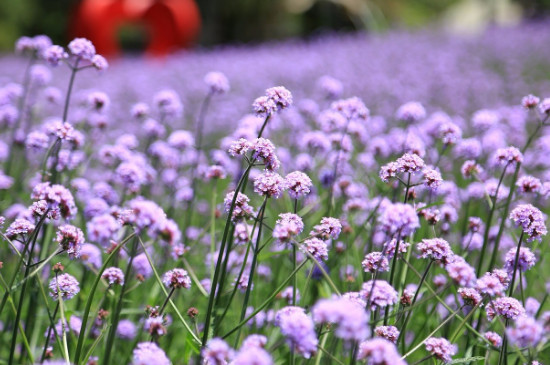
[269, 184]
[70, 238]
[177, 278]
[470, 296]
[544, 106]
[331, 87]
[168, 103]
[379, 351]
[217, 82]
[506, 307]
[526, 259]
[531, 220]
[410, 163]
[470, 168]
[252, 356]
[58, 197]
[65, 284]
[99, 62]
[494, 338]
[530, 101]
[527, 332]
[436, 249]
[82, 48]
[148, 353]
[379, 293]
[91, 254]
[411, 112]
[217, 352]
[21, 227]
[350, 318]
[432, 178]
[490, 284]
[528, 184]
[298, 329]
[287, 226]
[507, 156]
[328, 228]
[102, 228]
[375, 262]
[317, 248]
[54, 55]
[126, 329]
[461, 272]
[399, 219]
[441, 348]
[280, 96]
[242, 209]
[298, 184]
[485, 119]
[264, 149]
[352, 108]
[113, 275]
[389, 333]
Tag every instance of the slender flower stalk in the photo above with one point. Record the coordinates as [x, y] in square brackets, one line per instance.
[514, 272]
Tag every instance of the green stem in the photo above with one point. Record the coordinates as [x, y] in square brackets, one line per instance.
[65, 348]
[513, 280]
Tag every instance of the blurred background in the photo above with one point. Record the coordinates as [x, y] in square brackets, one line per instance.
[132, 26]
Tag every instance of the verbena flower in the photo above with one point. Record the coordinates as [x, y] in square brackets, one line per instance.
[328, 228]
[113, 275]
[217, 82]
[64, 284]
[70, 239]
[411, 112]
[375, 262]
[298, 329]
[298, 184]
[379, 293]
[350, 318]
[270, 184]
[317, 248]
[399, 218]
[490, 285]
[494, 338]
[506, 307]
[441, 348]
[531, 220]
[148, 353]
[526, 259]
[470, 296]
[287, 226]
[379, 351]
[177, 278]
[436, 249]
[390, 333]
[527, 332]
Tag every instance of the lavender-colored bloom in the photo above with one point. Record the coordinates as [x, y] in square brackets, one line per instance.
[168, 103]
[432, 178]
[65, 284]
[298, 184]
[91, 254]
[287, 226]
[241, 209]
[298, 329]
[177, 278]
[441, 348]
[264, 107]
[281, 96]
[527, 332]
[470, 296]
[54, 55]
[531, 220]
[528, 184]
[82, 48]
[399, 219]
[264, 149]
[352, 108]
[375, 262]
[530, 101]
[490, 285]
[101, 229]
[526, 259]
[380, 294]
[58, 198]
[507, 156]
[470, 168]
[391, 246]
[436, 249]
[461, 272]
[317, 248]
[126, 329]
[485, 119]
[390, 333]
[217, 82]
[148, 353]
[270, 184]
[252, 356]
[328, 228]
[70, 238]
[99, 62]
[113, 275]
[142, 266]
[350, 319]
[21, 227]
[217, 352]
[331, 87]
[410, 163]
[411, 112]
[379, 351]
[532, 306]
[494, 338]
[544, 106]
[506, 307]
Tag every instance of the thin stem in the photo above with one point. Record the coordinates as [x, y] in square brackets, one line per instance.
[49, 332]
[513, 280]
[266, 302]
[65, 348]
[74, 70]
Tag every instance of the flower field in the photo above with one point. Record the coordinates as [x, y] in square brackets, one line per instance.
[350, 199]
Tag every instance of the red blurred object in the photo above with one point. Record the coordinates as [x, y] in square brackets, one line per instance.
[170, 24]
